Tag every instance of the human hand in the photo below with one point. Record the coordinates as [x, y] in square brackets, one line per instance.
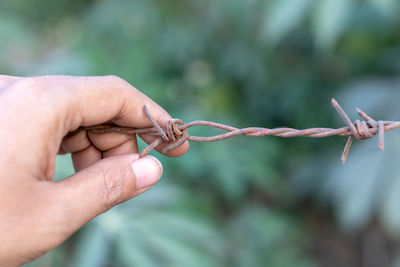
[36, 113]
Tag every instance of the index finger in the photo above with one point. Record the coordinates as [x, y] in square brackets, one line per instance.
[86, 101]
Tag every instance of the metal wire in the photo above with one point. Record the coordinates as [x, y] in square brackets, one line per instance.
[176, 132]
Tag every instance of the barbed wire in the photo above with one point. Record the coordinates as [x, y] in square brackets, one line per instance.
[176, 131]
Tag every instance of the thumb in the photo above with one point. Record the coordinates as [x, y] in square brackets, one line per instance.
[103, 185]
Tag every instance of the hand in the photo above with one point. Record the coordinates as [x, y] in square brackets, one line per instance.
[36, 113]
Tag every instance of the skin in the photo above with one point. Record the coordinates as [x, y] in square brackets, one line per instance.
[38, 214]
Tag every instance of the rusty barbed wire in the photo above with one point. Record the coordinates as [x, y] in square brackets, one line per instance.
[176, 131]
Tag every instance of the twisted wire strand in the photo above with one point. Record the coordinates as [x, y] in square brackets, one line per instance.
[176, 132]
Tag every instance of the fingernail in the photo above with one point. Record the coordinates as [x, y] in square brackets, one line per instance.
[148, 171]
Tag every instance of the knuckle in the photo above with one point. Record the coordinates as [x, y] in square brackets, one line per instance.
[112, 184]
[114, 79]
[117, 81]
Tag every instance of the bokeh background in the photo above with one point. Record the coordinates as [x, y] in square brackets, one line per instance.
[245, 201]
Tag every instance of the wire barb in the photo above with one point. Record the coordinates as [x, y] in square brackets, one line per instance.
[176, 132]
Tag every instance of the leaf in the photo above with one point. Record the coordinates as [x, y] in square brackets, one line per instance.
[130, 254]
[390, 208]
[389, 8]
[64, 167]
[262, 237]
[353, 186]
[281, 18]
[367, 183]
[330, 19]
[92, 248]
[172, 251]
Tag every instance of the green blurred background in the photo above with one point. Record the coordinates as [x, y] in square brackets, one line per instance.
[245, 201]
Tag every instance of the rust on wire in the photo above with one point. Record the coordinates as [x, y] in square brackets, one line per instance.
[176, 132]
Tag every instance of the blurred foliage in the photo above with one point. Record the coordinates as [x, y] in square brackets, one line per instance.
[245, 201]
